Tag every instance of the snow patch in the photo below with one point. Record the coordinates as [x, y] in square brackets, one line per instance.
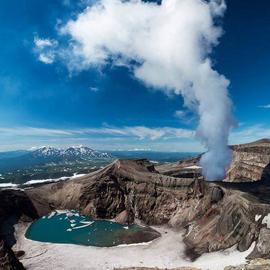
[52, 214]
[49, 180]
[257, 217]
[8, 185]
[193, 167]
[266, 220]
[83, 226]
[78, 175]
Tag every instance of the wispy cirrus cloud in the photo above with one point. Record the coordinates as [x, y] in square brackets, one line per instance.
[33, 131]
[250, 133]
[139, 132]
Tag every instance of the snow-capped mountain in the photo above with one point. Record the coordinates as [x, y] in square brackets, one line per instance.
[74, 152]
[48, 155]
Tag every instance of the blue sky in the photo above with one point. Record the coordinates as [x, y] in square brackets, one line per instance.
[46, 104]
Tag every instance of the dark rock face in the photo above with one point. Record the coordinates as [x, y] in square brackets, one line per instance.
[17, 203]
[8, 260]
[217, 195]
[14, 206]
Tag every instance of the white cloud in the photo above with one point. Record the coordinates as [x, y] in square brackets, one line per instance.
[166, 46]
[180, 114]
[267, 106]
[94, 89]
[43, 42]
[45, 49]
[46, 58]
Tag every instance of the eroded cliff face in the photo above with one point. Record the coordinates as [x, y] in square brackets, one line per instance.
[249, 161]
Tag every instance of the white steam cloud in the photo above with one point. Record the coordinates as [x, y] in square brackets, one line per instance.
[166, 46]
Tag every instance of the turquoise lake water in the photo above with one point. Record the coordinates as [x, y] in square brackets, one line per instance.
[72, 228]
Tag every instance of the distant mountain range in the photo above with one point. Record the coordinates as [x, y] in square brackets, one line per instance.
[49, 155]
[71, 153]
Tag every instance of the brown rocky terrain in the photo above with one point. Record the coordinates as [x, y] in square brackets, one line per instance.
[258, 264]
[214, 215]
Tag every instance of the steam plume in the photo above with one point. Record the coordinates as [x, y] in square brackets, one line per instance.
[166, 46]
